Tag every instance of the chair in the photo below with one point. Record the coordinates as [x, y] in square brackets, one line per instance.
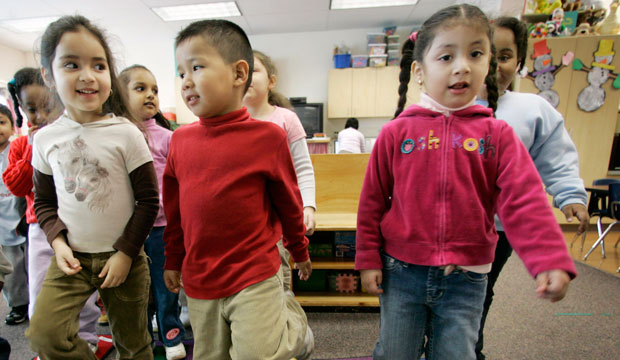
[603, 203]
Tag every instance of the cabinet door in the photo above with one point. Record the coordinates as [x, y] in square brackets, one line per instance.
[387, 91]
[364, 92]
[339, 93]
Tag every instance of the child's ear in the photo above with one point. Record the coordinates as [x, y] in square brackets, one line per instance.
[418, 73]
[242, 71]
[48, 79]
[273, 79]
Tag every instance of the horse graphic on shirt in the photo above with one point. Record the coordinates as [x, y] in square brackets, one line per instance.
[69, 158]
[93, 184]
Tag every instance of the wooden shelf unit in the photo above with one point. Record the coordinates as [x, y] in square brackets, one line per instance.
[339, 180]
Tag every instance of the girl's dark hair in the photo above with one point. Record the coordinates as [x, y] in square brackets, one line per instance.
[274, 98]
[116, 102]
[519, 30]
[415, 50]
[352, 122]
[125, 77]
[4, 110]
[23, 77]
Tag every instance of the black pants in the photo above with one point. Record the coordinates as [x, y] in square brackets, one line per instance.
[5, 349]
[502, 253]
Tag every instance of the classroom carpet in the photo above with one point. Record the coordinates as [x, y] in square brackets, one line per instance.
[104, 347]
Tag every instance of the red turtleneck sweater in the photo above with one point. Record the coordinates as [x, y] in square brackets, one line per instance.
[18, 175]
[230, 193]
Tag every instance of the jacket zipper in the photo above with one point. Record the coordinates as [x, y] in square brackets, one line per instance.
[442, 187]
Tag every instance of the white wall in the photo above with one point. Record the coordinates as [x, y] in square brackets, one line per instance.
[13, 60]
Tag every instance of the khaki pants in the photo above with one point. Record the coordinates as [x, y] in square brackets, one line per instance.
[260, 322]
[53, 331]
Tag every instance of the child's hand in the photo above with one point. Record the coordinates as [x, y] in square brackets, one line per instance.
[309, 220]
[305, 269]
[580, 212]
[371, 279]
[552, 285]
[172, 279]
[115, 270]
[64, 257]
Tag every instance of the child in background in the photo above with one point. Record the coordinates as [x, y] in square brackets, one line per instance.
[351, 140]
[541, 129]
[260, 100]
[95, 197]
[143, 101]
[15, 247]
[30, 94]
[437, 175]
[5, 269]
[230, 194]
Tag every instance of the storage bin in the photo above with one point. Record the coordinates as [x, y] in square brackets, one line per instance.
[376, 49]
[344, 244]
[393, 47]
[376, 38]
[393, 61]
[359, 61]
[342, 61]
[389, 30]
[377, 60]
[393, 39]
[316, 282]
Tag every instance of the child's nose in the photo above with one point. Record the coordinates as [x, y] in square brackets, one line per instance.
[86, 75]
[461, 66]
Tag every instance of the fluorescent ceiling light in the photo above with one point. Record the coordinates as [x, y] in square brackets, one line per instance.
[28, 24]
[358, 4]
[198, 11]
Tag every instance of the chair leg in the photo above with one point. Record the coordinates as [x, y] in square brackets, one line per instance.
[600, 241]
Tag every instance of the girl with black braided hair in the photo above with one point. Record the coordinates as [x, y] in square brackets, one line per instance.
[437, 175]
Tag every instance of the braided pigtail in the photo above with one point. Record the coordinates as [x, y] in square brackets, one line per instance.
[405, 75]
[491, 82]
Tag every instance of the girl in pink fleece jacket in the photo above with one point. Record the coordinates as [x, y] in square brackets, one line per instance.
[437, 175]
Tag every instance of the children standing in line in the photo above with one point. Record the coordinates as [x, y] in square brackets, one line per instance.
[230, 193]
[30, 94]
[95, 197]
[143, 99]
[541, 129]
[437, 175]
[260, 99]
[12, 209]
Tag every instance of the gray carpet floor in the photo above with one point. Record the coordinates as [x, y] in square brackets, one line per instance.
[585, 325]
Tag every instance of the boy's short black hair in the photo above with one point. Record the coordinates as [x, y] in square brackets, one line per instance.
[6, 112]
[227, 37]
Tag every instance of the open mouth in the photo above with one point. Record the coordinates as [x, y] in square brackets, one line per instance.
[149, 104]
[459, 85]
[191, 99]
[86, 91]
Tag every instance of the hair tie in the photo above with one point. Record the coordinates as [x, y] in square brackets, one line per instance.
[12, 82]
[414, 36]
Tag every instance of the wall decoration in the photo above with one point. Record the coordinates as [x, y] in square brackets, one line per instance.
[592, 97]
[544, 71]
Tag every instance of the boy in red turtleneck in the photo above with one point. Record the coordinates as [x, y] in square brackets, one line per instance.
[230, 193]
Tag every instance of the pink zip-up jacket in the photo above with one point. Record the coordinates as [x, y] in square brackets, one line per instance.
[433, 184]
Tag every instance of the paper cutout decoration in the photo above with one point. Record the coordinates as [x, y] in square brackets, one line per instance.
[544, 71]
[592, 97]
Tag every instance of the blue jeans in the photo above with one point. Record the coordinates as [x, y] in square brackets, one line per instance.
[165, 303]
[419, 301]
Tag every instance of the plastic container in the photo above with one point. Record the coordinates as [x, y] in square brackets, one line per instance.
[342, 61]
[359, 61]
[393, 39]
[377, 49]
[393, 62]
[389, 30]
[375, 38]
[377, 60]
[393, 47]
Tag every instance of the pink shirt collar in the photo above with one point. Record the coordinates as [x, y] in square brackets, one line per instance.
[429, 103]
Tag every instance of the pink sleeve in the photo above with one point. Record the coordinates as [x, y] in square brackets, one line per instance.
[291, 124]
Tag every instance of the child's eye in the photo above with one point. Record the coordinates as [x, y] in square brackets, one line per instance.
[70, 65]
[31, 110]
[477, 53]
[181, 75]
[139, 89]
[197, 67]
[155, 91]
[100, 67]
[445, 58]
[503, 58]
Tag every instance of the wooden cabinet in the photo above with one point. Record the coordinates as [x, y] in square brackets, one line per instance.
[592, 132]
[364, 92]
[339, 179]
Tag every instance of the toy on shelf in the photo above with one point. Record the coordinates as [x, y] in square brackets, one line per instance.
[571, 5]
[584, 29]
[611, 24]
[547, 6]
